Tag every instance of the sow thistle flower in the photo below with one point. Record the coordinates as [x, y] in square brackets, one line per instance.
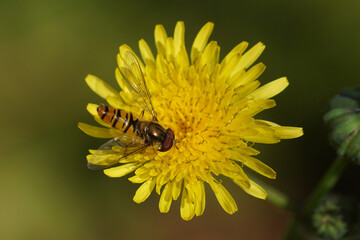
[210, 106]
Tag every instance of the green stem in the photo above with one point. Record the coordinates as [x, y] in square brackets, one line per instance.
[278, 198]
[275, 196]
[326, 184]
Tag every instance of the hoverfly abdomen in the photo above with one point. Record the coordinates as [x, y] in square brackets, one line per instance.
[119, 119]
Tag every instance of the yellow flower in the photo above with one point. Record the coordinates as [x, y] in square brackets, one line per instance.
[210, 106]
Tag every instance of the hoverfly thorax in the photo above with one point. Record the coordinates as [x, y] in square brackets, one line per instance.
[154, 132]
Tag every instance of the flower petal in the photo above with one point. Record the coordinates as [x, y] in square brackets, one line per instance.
[146, 53]
[121, 170]
[201, 40]
[100, 87]
[176, 189]
[166, 198]
[250, 56]
[199, 198]
[238, 49]
[93, 131]
[187, 208]
[253, 163]
[223, 196]
[144, 191]
[179, 34]
[160, 39]
[288, 132]
[209, 57]
[255, 107]
[253, 73]
[260, 134]
[139, 178]
[271, 89]
[254, 189]
[228, 68]
[283, 132]
[170, 56]
[92, 109]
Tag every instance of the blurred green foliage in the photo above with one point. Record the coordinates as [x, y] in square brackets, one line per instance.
[48, 47]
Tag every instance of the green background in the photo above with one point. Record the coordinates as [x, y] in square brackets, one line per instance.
[48, 47]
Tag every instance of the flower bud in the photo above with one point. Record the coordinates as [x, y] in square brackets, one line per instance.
[334, 217]
[344, 121]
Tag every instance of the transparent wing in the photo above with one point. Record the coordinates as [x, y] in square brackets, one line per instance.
[112, 152]
[135, 80]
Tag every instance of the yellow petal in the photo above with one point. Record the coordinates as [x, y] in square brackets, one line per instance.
[160, 39]
[100, 158]
[93, 131]
[199, 198]
[187, 208]
[254, 189]
[238, 49]
[179, 37]
[260, 134]
[250, 56]
[253, 73]
[121, 170]
[139, 178]
[100, 87]
[260, 167]
[228, 68]
[254, 164]
[92, 109]
[224, 198]
[144, 191]
[120, 79]
[116, 102]
[201, 40]
[121, 57]
[176, 189]
[255, 107]
[182, 61]
[271, 89]
[283, 132]
[166, 198]
[288, 132]
[170, 56]
[234, 171]
[210, 56]
[244, 90]
[146, 53]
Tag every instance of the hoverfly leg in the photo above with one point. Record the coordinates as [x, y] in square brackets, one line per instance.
[142, 114]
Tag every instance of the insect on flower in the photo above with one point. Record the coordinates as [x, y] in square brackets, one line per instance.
[211, 107]
[137, 134]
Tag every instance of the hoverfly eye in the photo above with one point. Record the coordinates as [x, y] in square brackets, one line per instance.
[168, 142]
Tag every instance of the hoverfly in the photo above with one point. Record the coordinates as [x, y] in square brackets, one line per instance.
[137, 135]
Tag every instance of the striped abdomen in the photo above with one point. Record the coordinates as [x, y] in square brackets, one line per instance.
[119, 119]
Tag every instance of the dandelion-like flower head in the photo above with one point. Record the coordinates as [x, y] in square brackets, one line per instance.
[210, 106]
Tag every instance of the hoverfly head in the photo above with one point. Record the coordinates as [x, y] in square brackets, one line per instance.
[168, 142]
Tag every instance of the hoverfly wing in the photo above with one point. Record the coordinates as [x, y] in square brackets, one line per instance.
[135, 80]
[111, 152]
